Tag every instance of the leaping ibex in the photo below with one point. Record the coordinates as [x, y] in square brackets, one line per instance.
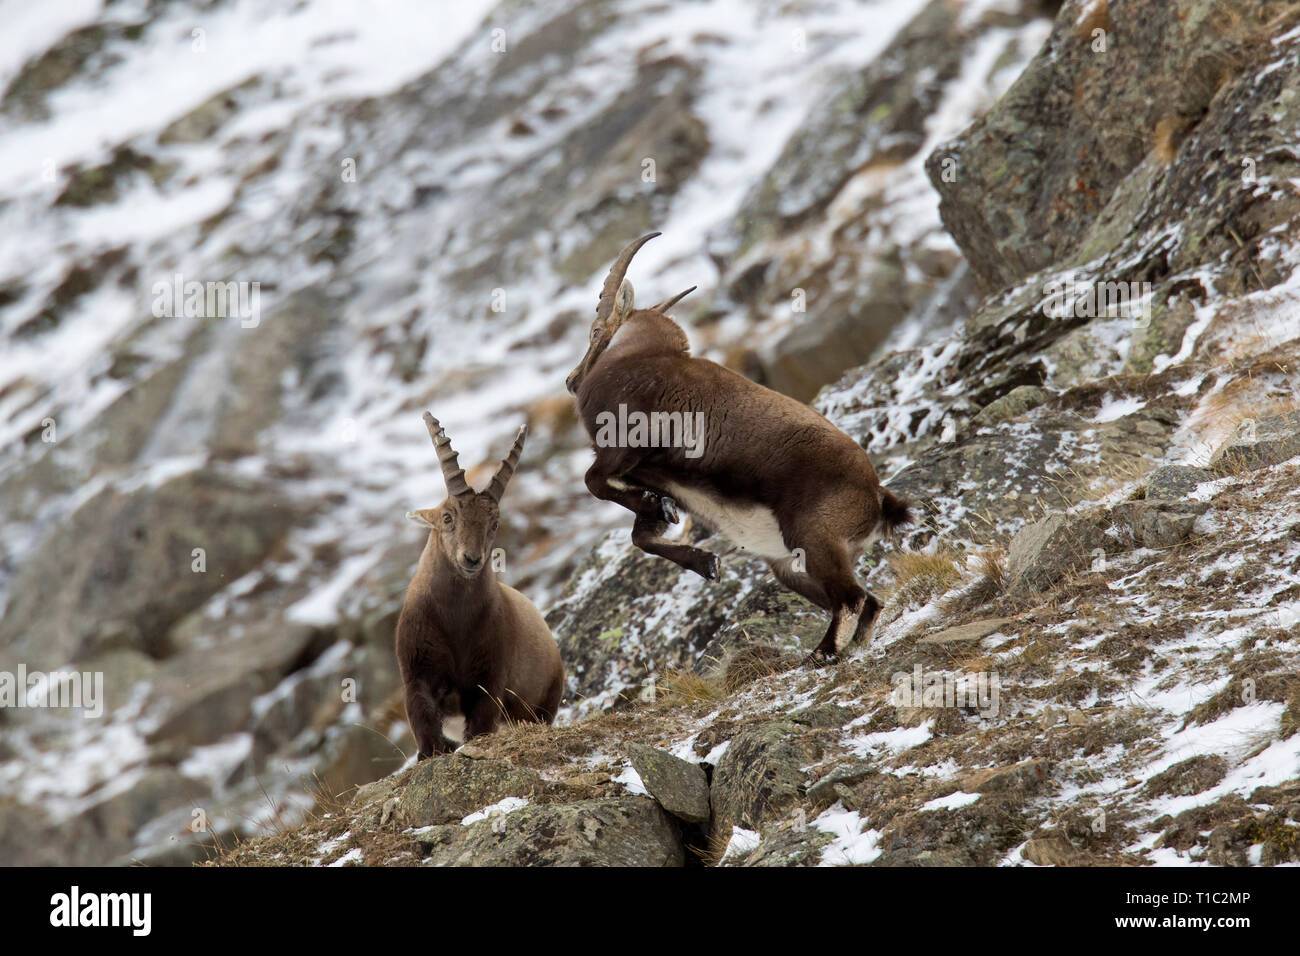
[461, 631]
[767, 471]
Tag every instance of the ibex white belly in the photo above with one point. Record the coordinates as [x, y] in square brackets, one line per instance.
[750, 527]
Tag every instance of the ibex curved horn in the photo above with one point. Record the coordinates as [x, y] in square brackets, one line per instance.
[667, 304]
[507, 469]
[452, 473]
[609, 292]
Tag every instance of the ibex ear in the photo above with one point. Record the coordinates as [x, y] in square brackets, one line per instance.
[624, 303]
[424, 517]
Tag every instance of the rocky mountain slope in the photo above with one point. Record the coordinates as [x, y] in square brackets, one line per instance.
[1083, 373]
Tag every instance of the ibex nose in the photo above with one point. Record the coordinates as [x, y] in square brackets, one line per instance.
[472, 560]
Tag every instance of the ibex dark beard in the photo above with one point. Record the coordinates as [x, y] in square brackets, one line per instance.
[462, 634]
[775, 476]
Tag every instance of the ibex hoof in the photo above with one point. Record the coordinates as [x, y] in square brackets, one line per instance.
[709, 567]
[820, 658]
[669, 509]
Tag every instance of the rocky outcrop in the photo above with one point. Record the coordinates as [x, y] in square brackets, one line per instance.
[1174, 78]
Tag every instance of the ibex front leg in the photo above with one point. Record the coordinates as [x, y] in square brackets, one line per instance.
[424, 711]
[654, 512]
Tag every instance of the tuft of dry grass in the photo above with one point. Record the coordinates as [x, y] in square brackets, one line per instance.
[754, 663]
[711, 854]
[938, 570]
[683, 685]
[992, 565]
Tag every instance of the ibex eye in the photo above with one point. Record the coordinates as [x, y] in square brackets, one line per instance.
[447, 519]
[595, 334]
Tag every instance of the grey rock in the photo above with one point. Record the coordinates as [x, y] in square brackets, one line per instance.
[26, 94]
[760, 776]
[1171, 482]
[447, 788]
[1259, 444]
[599, 620]
[819, 350]
[1011, 405]
[971, 633]
[1044, 552]
[1011, 222]
[358, 756]
[623, 831]
[129, 557]
[680, 787]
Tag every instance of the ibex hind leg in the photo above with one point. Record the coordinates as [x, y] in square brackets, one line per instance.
[832, 570]
[800, 583]
[870, 608]
[647, 534]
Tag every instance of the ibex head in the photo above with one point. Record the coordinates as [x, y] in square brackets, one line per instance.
[465, 525]
[617, 302]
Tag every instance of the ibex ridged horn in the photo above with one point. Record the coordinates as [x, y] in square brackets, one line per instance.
[507, 469]
[609, 292]
[452, 473]
[667, 304]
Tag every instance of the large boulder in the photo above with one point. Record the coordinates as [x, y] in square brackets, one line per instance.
[621, 831]
[445, 789]
[680, 787]
[760, 776]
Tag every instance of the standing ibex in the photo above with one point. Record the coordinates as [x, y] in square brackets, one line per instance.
[461, 631]
[768, 472]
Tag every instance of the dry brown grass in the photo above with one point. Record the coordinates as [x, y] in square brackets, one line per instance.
[938, 570]
[754, 663]
[680, 685]
[992, 564]
[712, 853]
